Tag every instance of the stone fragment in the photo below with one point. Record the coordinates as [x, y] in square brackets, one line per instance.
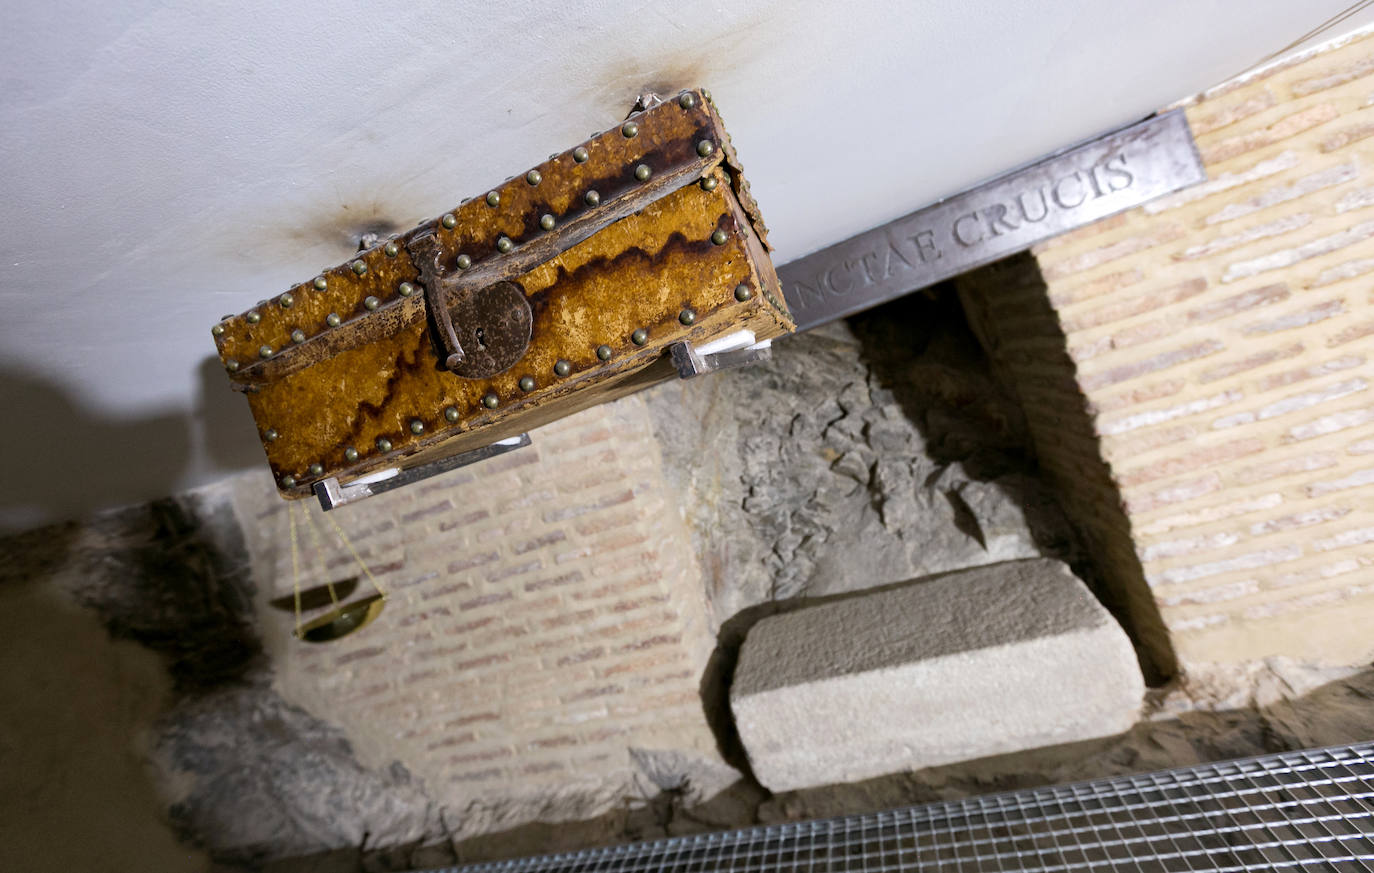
[864, 453]
[968, 664]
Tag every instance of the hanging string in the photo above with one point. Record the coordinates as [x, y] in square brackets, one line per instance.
[295, 567]
[319, 548]
[366, 572]
[1352, 9]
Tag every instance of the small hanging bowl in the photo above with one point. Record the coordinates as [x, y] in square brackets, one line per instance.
[340, 622]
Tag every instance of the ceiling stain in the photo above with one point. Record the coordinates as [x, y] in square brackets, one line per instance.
[709, 54]
[321, 235]
[342, 226]
[304, 238]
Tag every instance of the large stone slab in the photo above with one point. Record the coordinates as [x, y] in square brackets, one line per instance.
[972, 663]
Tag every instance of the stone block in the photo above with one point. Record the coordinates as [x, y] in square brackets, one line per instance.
[968, 664]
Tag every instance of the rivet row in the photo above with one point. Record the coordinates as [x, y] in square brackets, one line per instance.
[547, 221]
[391, 249]
[642, 172]
[629, 130]
[490, 400]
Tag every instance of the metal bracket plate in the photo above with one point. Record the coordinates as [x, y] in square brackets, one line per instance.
[690, 363]
[333, 495]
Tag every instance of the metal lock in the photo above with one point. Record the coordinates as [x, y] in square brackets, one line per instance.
[479, 330]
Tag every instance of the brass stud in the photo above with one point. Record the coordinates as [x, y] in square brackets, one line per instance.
[371, 302]
[547, 221]
[451, 413]
[629, 130]
[264, 351]
[417, 426]
[320, 283]
[592, 198]
[503, 244]
[493, 198]
[391, 249]
[687, 316]
[298, 336]
[286, 300]
[252, 318]
[288, 481]
[639, 337]
[350, 454]
[217, 330]
[562, 368]
[231, 365]
[719, 237]
[706, 94]
[642, 172]
[580, 155]
[705, 148]
[708, 184]
[405, 289]
[449, 221]
[687, 100]
[270, 434]
[604, 352]
[333, 320]
[359, 267]
[383, 444]
[742, 292]
[316, 469]
[491, 401]
[464, 261]
[526, 383]
[534, 177]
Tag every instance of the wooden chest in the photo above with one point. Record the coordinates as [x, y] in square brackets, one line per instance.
[563, 287]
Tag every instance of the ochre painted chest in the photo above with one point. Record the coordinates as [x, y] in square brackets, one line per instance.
[563, 287]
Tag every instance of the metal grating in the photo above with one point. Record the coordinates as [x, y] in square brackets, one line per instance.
[1310, 810]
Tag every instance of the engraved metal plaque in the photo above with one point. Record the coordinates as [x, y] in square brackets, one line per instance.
[999, 218]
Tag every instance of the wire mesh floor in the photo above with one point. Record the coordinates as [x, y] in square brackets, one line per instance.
[1310, 810]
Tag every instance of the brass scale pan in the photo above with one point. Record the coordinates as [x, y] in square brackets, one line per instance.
[338, 622]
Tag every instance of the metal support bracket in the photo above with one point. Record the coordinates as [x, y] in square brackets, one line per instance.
[333, 495]
[691, 363]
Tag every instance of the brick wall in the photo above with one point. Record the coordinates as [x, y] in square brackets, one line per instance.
[1007, 306]
[545, 616]
[1215, 346]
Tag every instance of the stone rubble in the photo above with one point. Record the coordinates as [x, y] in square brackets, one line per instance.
[858, 456]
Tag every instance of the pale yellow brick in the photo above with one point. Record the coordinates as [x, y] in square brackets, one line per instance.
[1233, 426]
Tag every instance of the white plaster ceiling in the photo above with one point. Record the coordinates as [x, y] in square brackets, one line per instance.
[165, 163]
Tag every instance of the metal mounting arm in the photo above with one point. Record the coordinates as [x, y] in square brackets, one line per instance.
[332, 495]
[691, 363]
